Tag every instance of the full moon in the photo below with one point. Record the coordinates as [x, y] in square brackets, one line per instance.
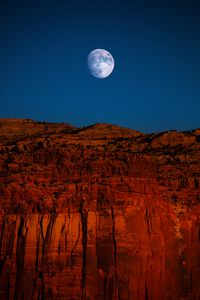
[100, 63]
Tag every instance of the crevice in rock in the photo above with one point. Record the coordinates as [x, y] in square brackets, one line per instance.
[61, 234]
[114, 243]
[34, 287]
[43, 291]
[113, 235]
[2, 233]
[47, 239]
[8, 288]
[45, 265]
[84, 216]
[10, 242]
[71, 259]
[149, 228]
[191, 281]
[41, 228]
[105, 287]
[146, 293]
[2, 264]
[20, 252]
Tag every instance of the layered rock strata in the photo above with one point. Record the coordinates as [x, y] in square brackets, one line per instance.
[100, 212]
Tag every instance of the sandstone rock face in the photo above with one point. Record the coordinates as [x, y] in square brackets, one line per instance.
[100, 212]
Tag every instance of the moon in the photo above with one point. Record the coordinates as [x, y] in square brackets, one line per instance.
[100, 63]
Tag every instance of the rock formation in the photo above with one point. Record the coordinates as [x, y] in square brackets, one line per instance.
[100, 212]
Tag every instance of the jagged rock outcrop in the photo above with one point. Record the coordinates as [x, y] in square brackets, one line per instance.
[100, 212]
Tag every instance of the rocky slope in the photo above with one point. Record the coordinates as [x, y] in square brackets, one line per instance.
[100, 212]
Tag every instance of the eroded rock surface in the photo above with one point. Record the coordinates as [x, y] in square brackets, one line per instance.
[100, 212]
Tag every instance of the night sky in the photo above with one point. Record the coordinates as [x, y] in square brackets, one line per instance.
[155, 85]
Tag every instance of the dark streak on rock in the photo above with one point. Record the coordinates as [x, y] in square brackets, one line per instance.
[146, 293]
[21, 242]
[2, 233]
[114, 243]
[47, 239]
[113, 235]
[61, 233]
[84, 216]
[71, 257]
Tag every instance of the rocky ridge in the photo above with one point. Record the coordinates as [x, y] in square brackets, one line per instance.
[100, 212]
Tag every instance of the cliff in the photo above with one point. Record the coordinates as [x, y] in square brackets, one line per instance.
[100, 212]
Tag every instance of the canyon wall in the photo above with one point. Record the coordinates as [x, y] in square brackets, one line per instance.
[100, 212]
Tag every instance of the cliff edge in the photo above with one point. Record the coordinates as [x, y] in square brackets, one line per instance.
[99, 212]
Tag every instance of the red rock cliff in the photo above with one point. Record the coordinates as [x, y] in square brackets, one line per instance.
[100, 212]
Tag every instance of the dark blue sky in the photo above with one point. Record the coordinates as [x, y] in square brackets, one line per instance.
[155, 85]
